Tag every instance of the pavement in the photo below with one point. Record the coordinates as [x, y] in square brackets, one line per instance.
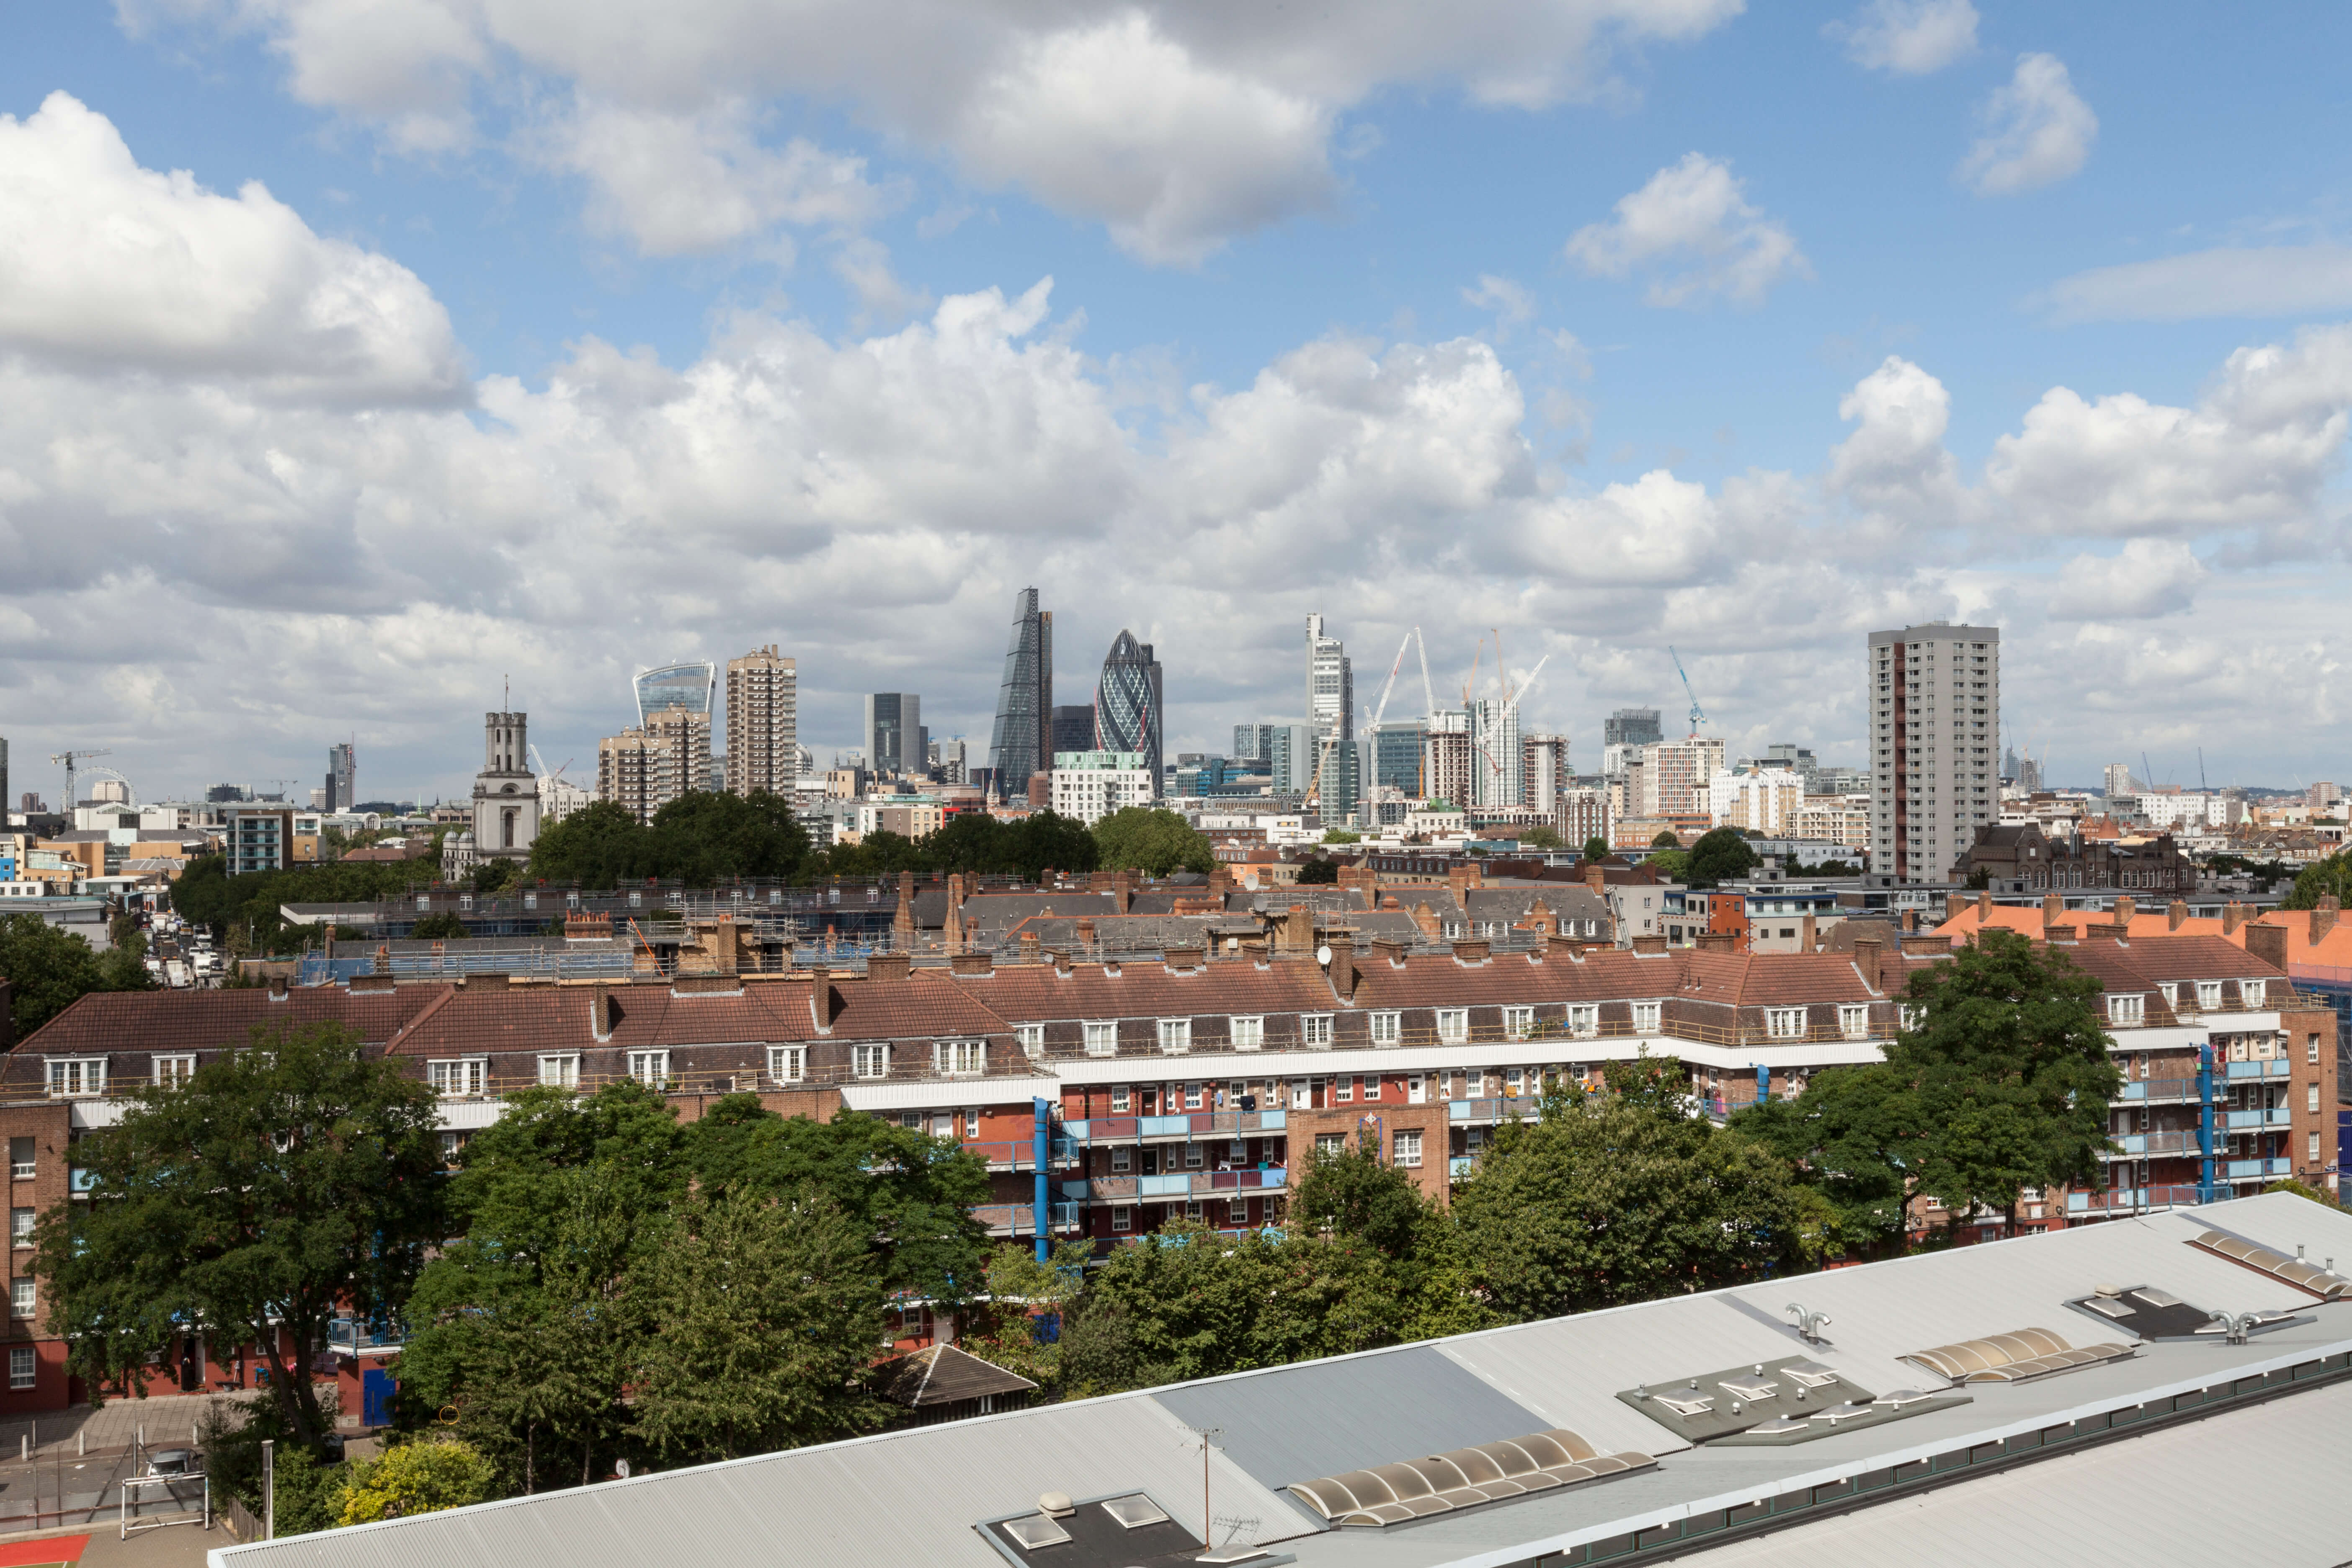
[62, 1472]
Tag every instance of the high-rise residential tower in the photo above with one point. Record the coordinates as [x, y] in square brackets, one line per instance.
[763, 723]
[1021, 743]
[894, 739]
[1623, 734]
[1128, 703]
[1935, 703]
[1253, 743]
[1331, 717]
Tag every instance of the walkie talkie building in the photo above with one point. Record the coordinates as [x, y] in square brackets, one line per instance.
[1126, 703]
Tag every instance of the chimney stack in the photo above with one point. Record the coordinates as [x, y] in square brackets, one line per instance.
[1866, 952]
[2233, 915]
[1343, 964]
[2267, 942]
[2125, 908]
[2322, 917]
[889, 966]
[1984, 905]
[2177, 915]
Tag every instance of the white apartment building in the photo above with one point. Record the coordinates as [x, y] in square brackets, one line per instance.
[1841, 819]
[1087, 786]
[1763, 800]
[1673, 778]
[1934, 693]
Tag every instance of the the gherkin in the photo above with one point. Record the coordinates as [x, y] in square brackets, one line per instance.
[1127, 708]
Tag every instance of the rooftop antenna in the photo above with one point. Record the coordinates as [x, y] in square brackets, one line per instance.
[1205, 1434]
[2147, 775]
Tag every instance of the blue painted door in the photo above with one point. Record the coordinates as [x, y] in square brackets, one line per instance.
[375, 1397]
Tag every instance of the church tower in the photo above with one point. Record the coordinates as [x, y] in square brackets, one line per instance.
[506, 792]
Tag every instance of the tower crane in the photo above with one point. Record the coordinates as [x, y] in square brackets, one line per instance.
[1697, 715]
[1510, 708]
[72, 758]
[542, 761]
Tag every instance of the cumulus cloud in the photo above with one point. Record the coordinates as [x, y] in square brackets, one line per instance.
[1511, 303]
[107, 264]
[1693, 230]
[2036, 132]
[1895, 462]
[1910, 37]
[2229, 280]
[2147, 577]
[1177, 126]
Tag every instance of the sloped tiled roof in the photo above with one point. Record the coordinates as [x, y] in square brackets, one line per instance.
[213, 1020]
[1036, 992]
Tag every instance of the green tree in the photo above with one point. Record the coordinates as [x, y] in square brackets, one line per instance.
[706, 839]
[2302, 1190]
[2332, 875]
[1153, 841]
[601, 845]
[1319, 870]
[1351, 1192]
[49, 969]
[1625, 1196]
[231, 1432]
[2008, 1062]
[1542, 838]
[1596, 848]
[973, 843]
[1025, 1295]
[1674, 865]
[413, 1478]
[504, 1193]
[766, 1313]
[443, 927]
[1342, 835]
[1667, 839]
[1721, 854]
[1853, 1136]
[284, 1186]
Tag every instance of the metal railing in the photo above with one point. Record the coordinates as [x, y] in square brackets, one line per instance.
[1020, 1220]
[347, 1336]
[1186, 1124]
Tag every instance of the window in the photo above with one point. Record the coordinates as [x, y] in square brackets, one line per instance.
[1785, 1023]
[1121, 1161]
[1371, 1085]
[866, 1061]
[1192, 1208]
[1408, 1147]
[1513, 1082]
[1344, 1090]
[1583, 1019]
[1518, 1023]
[1102, 1039]
[20, 1366]
[1192, 1156]
[170, 1072]
[2311, 1048]
[1332, 1143]
[2310, 1102]
[457, 1077]
[2251, 992]
[971, 1123]
[1388, 1029]
[1193, 1097]
[958, 1058]
[1175, 1035]
[1910, 1015]
[1853, 1020]
[20, 1225]
[650, 1067]
[1248, 1034]
[1416, 1090]
[1122, 1217]
[1033, 1039]
[559, 1071]
[1118, 1100]
[2208, 993]
[1645, 1017]
[22, 1297]
[20, 1158]
[77, 1077]
[1237, 1211]
[787, 1064]
[1315, 1029]
[1453, 1024]
[2125, 1009]
[2171, 989]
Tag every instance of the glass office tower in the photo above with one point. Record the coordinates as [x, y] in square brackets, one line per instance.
[1128, 703]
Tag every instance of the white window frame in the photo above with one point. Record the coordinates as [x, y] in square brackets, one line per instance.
[2127, 1007]
[2171, 990]
[77, 1078]
[1648, 1017]
[1343, 1089]
[20, 1226]
[1453, 1026]
[2254, 993]
[1122, 1101]
[1784, 1023]
[1330, 1143]
[1518, 1023]
[171, 1072]
[1372, 1084]
[1101, 1036]
[1237, 1211]
[1033, 1039]
[24, 1299]
[1388, 1029]
[787, 1064]
[1853, 1020]
[2209, 996]
[960, 1059]
[1405, 1142]
[1122, 1217]
[1194, 1157]
[1514, 1083]
[1174, 1036]
[1910, 1015]
[650, 1067]
[870, 1061]
[24, 1367]
[1315, 1031]
[1122, 1160]
[460, 1078]
[1583, 1020]
[1247, 1030]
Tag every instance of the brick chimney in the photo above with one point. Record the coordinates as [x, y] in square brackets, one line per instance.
[1650, 944]
[1029, 946]
[1343, 964]
[1183, 960]
[2125, 908]
[1467, 950]
[1461, 877]
[1910, 919]
[1866, 953]
[1388, 947]
[902, 922]
[1426, 919]
[602, 1014]
[2175, 915]
[1808, 934]
[1086, 933]
[1953, 904]
[2267, 942]
[1920, 945]
[1595, 877]
[889, 966]
[1122, 888]
[1984, 905]
[723, 938]
[2233, 915]
[2322, 917]
[972, 963]
[2053, 911]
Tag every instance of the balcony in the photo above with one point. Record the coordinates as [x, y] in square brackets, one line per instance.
[1021, 1154]
[1188, 1125]
[2254, 1120]
[2140, 1145]
[1188, 1184]
[1459, 1167]
[2255, 1170]
[351, 1337]
[1503, 1109]
[1020, 1220]
[2274, 1069]
[2160, 1091]
[2132, 1200]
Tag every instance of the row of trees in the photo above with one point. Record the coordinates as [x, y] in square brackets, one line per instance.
[47, 968]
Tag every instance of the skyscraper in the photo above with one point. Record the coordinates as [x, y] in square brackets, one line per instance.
[1446, 769]
[1020, 744]
[342, 777]
[1496, 778]
[1935, 702]
[1253, 743]
[1396, 754]
[894, 732]
[1331, 717]
[1128, 706]
[1074, 729]
[763, 723]
[1623, 734]
[690, 684]
[2118, 781]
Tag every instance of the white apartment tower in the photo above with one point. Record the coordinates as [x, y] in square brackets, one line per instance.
[763, 723]
[1935, 704]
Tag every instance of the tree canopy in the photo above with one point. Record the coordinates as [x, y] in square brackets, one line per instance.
[1596, 848]
[701, 838]
[48, 969]
[1153, 841]
[2320, 879]
[206, 895]
[1721, 854]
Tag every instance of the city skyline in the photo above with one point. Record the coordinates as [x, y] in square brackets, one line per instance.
[1748, 328]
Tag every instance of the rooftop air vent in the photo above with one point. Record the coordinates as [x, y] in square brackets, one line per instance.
[2147, 1313]
[1462, 1478]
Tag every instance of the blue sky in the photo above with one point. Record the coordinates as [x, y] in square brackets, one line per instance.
[650, 331]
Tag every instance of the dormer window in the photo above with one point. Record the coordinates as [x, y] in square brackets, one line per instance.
[2127, 1009]
[2209, 995]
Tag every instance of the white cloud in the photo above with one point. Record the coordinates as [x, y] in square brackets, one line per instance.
[2230, 280]
[1692, 228]
[2037, 131]
[103, 263]
[1895, 462]
[1511, 303]
[676, 184]
[1910, 37]
[1177, 126]
[864, 265]
[2147, 577]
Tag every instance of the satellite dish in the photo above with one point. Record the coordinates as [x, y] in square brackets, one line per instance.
[1323, 955]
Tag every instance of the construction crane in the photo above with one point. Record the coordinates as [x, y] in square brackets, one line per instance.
[1697, 715]
[71, 760]
[1509, 710]
[542, 761]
